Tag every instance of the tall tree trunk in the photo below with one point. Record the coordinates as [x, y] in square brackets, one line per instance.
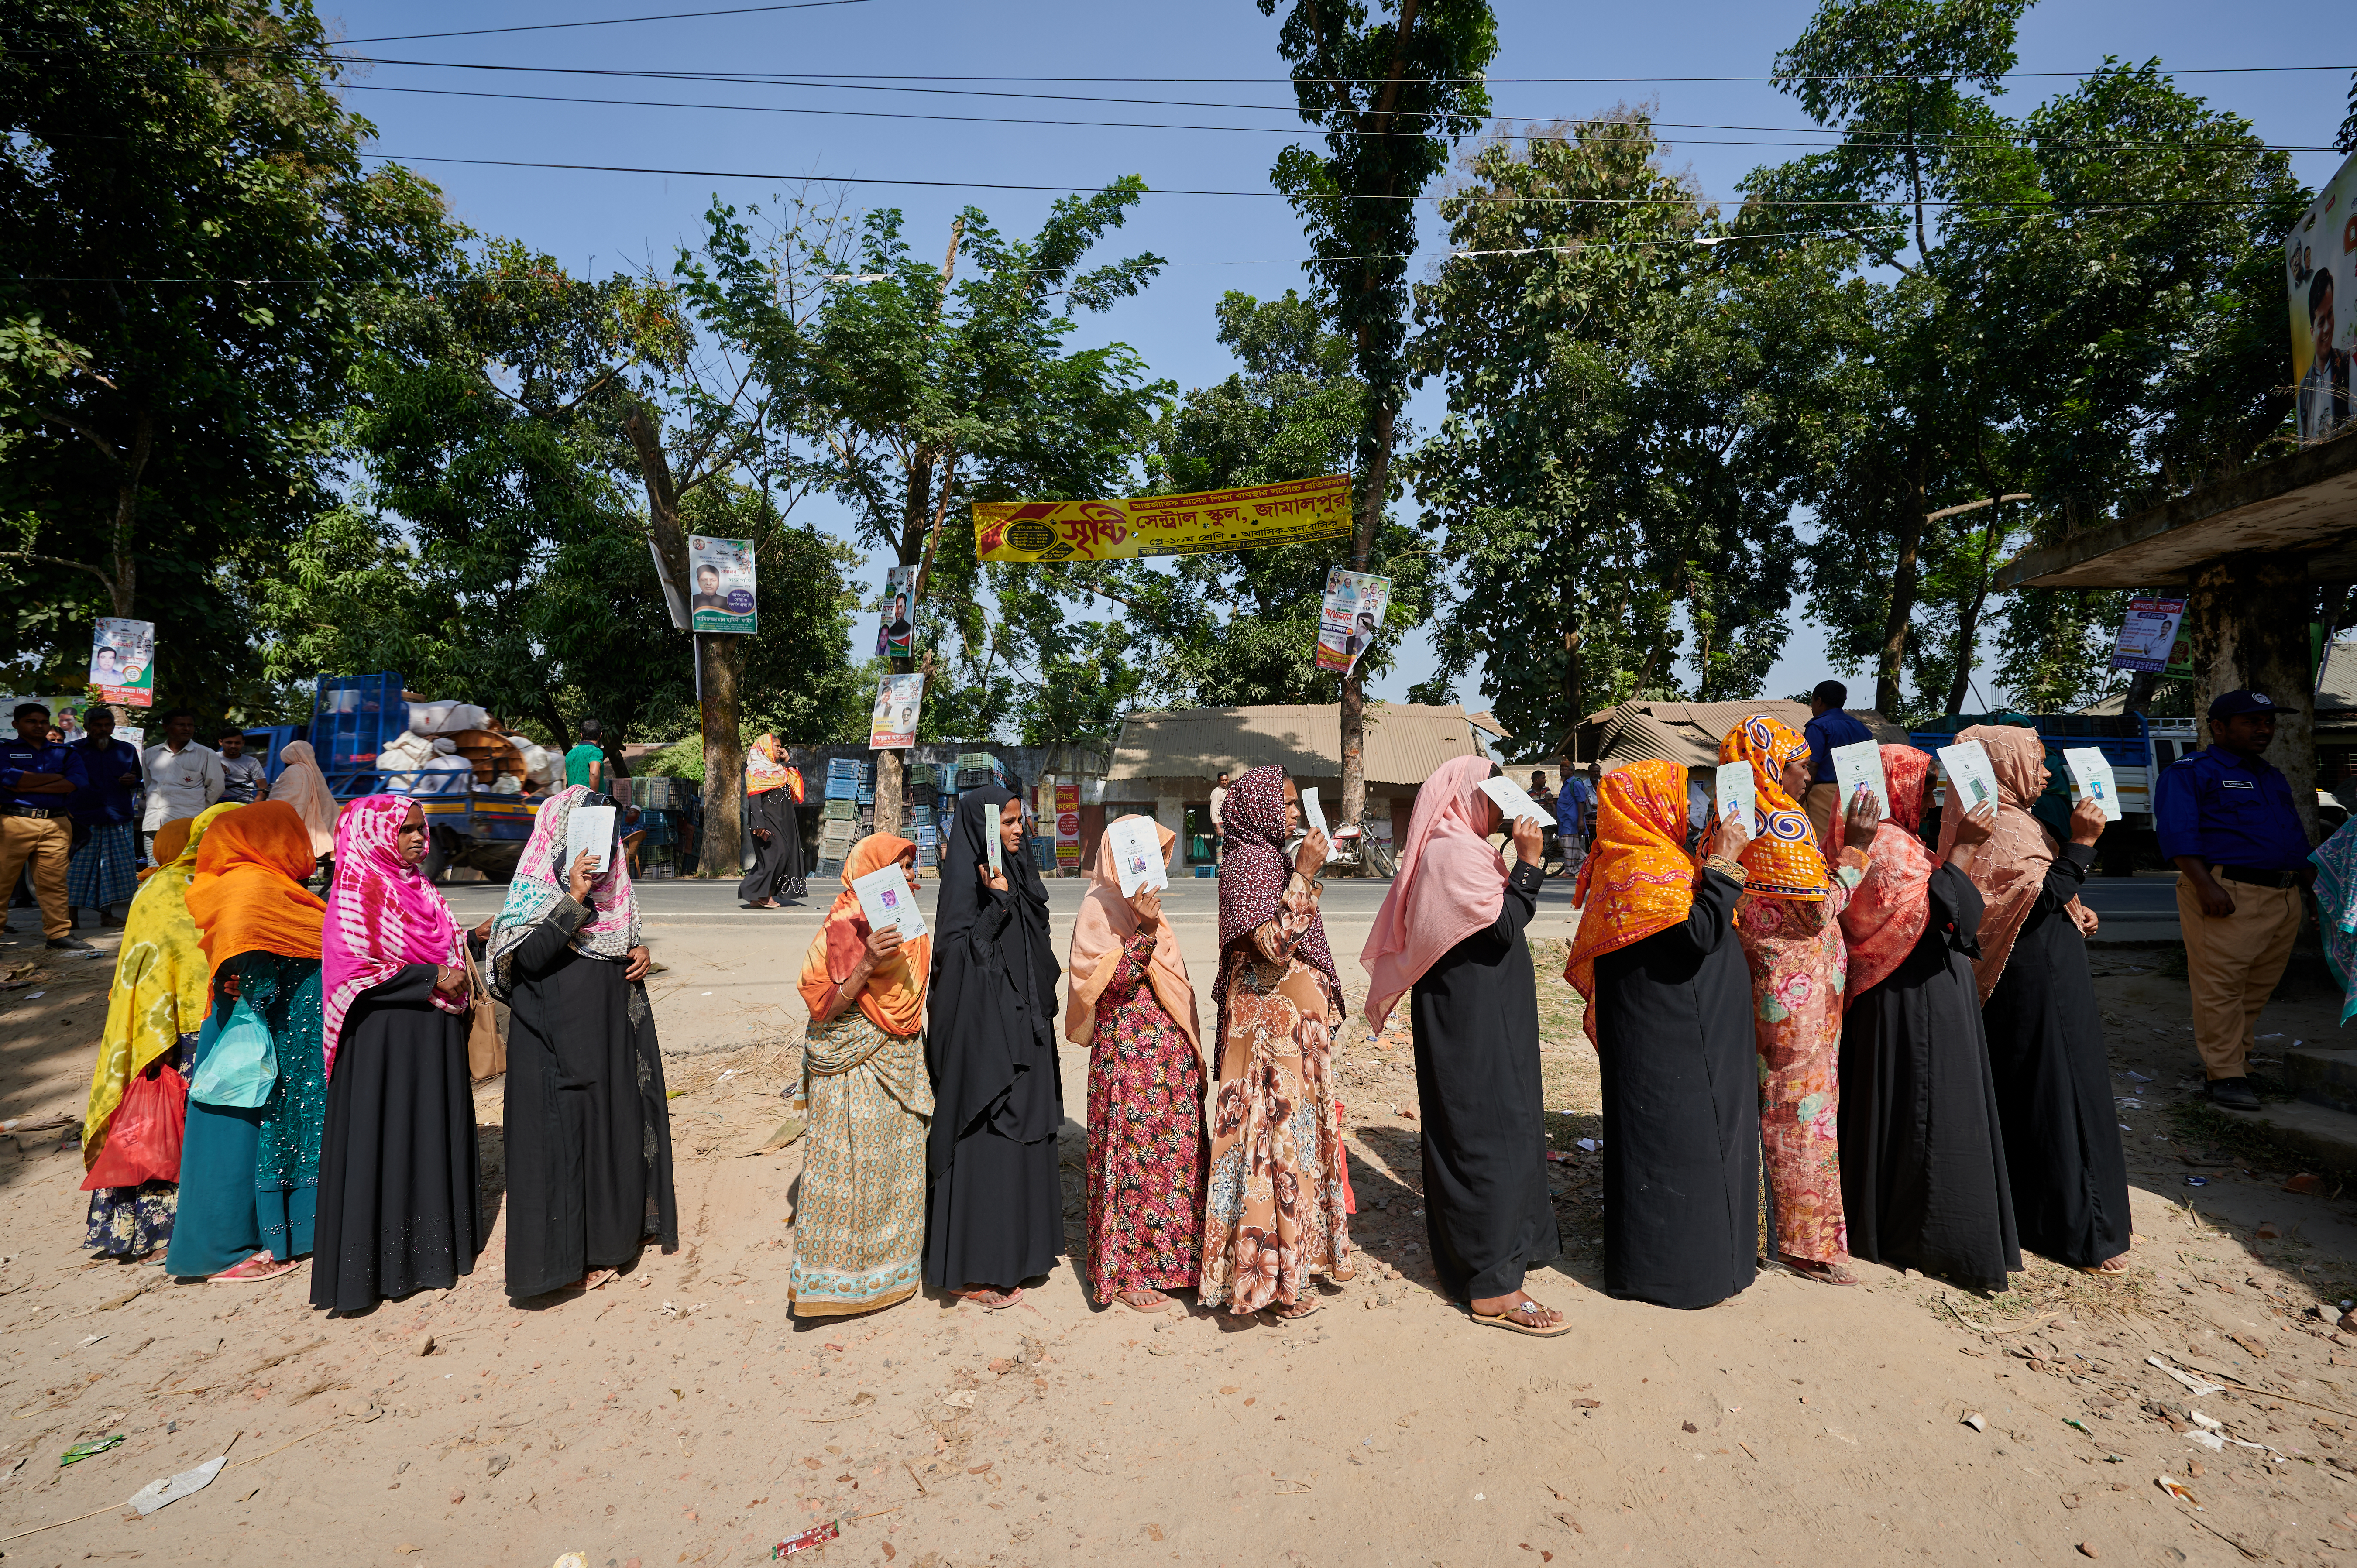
[1968, 624]
[123, 585]
[1354, 689]
[1902, 605]
[723, 847]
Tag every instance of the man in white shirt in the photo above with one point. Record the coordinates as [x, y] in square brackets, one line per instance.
[1218, 828]
[183, 778]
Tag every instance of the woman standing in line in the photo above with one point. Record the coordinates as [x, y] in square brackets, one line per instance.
[1133, 1007]
[1449, 936]
[249, 1178]
[1923, 1181]
[302, 786]
[153, 1016]
[588, 1124]
[859, 1220]
[2062, 1154]
[1274, 1215]
[1789, 921]
[773, 789]
[994, 1208]
[399, 1177]
[1669, 1012]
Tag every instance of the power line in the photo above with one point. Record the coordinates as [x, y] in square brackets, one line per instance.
[600, 22]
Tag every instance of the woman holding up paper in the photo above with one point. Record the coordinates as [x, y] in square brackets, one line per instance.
[1923, 1179]
[773, 790]
[1274, 1215]
[994, 1208]
[1669, 1012]
[400, 1175]
[1133, 1007]
[588, 1128]
[1789, 921]
[1449, 938]
[2062, 1154]
[859, 1221]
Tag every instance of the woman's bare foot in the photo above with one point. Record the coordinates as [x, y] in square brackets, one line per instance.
[1824, 1273]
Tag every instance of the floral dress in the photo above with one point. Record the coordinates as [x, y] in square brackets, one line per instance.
[1147, 1155]
[1275, 1212]
[1799, 966]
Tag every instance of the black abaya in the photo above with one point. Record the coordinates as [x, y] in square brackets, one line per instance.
[400, 1182]
[1922, 1153]
[777, 860]
[1475, 1017]
[2070, 1176]
[588, 1125]
[1680, 1109]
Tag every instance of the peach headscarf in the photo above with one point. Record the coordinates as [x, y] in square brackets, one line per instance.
[1452, 884]
[894, 997]
[1639, 879]
[302, 786]
[2010, 868]
[1101, 931]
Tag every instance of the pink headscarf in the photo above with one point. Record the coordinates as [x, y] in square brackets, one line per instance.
[1452, 884]
[382, 916]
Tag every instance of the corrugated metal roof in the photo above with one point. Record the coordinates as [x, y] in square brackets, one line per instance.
[1405, 742]
[1689, 733]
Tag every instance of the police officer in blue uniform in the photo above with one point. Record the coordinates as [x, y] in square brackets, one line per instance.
[2225, 817]
[37, 787]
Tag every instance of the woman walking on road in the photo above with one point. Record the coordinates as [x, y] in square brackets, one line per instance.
[773, 789]
[1449, 937]
[400, 1178]
[1133, 1007]
[859, 1221]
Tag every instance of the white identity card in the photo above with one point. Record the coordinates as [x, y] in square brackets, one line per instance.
[887, 899]
[997, 850]
[1513, 800]
[1137, 854]
[2091, 776]
[1971, 780]
[1737, 794]
[1860, 762]
[1314, 816]
[590, 831]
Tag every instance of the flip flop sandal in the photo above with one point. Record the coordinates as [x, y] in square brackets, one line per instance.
[1514, 1323]
[250, 1272]
[1006, 1299]
[2101, 1271]
[1307, 1306]
[1160, 1305]
[1823, 1273]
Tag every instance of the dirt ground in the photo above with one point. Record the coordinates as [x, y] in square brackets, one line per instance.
[681, 1416]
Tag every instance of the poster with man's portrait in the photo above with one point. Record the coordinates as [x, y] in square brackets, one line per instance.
[896, 628]
[721, 575]
[2321, 282]
[123, 660]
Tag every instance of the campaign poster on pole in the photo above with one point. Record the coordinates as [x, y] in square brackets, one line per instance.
[123, 660]
[893, 726]
[896, 628]
[2149, 639]
[723, 570]
[1353, 615]
[2321, 283]
[1068, 825]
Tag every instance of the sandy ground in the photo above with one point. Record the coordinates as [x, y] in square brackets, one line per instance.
[681, 1416]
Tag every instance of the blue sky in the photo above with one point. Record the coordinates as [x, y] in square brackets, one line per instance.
[599, 222]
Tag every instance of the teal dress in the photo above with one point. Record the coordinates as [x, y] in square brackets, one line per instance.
[249, 1179]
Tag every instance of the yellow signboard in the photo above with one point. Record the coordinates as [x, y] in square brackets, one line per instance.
[1289, 513]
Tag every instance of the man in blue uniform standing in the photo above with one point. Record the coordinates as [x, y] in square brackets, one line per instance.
[35, 819]
[2225, 817]
[1829, 725]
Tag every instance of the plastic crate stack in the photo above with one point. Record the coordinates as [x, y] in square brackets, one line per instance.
[922, 812]
[979, 769]
[839, 825]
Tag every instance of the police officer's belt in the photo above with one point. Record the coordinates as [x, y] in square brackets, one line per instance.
[2255, 877]
[9, 809]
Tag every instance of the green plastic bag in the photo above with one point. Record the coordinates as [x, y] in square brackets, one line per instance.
[240, 1070]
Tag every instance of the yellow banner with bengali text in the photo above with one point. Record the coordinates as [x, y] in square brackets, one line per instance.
[1289, 514]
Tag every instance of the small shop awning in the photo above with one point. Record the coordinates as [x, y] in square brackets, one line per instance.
[2304, 505]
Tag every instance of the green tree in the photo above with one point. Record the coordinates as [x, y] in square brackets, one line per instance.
[1392, 91]
[191, 249]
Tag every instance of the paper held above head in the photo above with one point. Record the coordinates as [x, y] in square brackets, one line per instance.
[887, 899]
[1735, 794]
[1860, 763]
[590, 831]
[2090, 778]
[1314, 815]
[1513, 800]
[1137, 854]
[1966, 764]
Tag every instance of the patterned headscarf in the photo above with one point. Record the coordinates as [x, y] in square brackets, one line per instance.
[1252, 873]
[2336, 906]
[1886, 915]
[1638, 879]
[382, 915]
[612, 928]
[1783, 859]
[2010, 868]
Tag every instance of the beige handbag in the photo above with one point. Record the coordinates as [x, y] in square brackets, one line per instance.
[486, 1054]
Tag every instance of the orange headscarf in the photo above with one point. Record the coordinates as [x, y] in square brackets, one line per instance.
[248, 894]
[894, 997]
[1102, 932]
[170, 839]
[1783, 859]
[1638, 879]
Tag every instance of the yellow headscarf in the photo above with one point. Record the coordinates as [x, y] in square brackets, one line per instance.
[161, 982]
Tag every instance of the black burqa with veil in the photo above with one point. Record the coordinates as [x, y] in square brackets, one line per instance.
[994, 1211]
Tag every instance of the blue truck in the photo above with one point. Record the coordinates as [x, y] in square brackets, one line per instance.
[2125, 739]
[353, 717]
